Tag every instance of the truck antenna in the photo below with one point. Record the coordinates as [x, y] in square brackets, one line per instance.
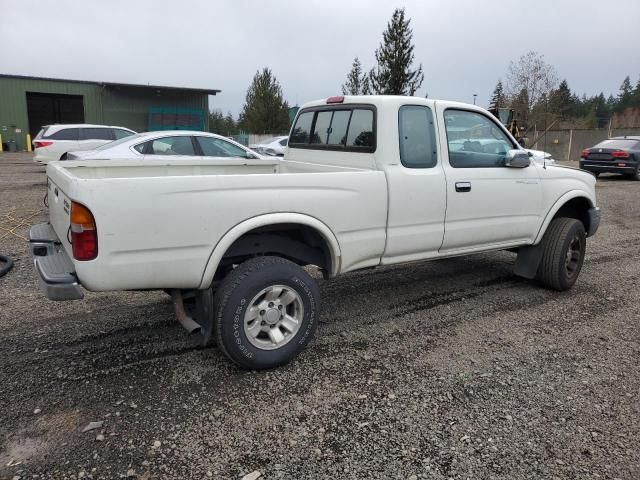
[546, 112]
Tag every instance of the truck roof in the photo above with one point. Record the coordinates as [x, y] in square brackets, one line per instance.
[381, 101]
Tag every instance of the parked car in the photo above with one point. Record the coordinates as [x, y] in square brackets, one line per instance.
[614, 155]
[275, 146]
[53, 142]
[366, 181]
[168, 145]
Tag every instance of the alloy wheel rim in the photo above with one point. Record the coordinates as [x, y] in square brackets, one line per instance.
[274, 317]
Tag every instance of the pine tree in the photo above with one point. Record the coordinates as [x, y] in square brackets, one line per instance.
[393, 75]
[216, 122]
[357, 82]
[498, 98]
[560, 102]
[230, 124]
[624, 97]
[602, 113]
[625, 88]
[265, 110]
[222, 125]
[635, 95]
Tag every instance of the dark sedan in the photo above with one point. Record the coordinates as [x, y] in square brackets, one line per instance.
[615, 155]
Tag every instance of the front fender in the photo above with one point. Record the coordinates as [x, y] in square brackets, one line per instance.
[558, 205]
[261, 221]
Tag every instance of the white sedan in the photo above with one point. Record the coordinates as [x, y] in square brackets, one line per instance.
[273, 146]
[168, 145]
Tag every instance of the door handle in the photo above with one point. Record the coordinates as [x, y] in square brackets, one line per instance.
[463, 186]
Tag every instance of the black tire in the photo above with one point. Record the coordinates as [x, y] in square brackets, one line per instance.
[558, 268]
[636, 175]
[239, 289]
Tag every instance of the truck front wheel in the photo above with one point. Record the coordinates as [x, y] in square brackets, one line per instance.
[563, 249]
[266, 312]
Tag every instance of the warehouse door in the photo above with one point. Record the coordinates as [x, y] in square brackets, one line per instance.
[50, 108]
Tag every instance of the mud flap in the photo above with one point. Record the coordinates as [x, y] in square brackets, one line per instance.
[203, 315]
[528, 261]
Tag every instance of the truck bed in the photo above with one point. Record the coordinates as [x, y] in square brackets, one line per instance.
[159, 222]
[110, 169]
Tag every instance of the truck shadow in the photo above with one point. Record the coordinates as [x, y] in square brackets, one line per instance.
[350, 302]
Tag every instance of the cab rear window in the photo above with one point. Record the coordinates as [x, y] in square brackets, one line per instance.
[335, 128]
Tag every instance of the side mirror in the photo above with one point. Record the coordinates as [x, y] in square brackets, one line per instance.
[517, 159]
[251, 156]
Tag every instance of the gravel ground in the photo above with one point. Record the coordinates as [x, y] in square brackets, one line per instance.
[449, 369]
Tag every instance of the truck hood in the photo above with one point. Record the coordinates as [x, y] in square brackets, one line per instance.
[571, 173]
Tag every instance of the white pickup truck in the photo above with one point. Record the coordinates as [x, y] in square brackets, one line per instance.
[366, 181]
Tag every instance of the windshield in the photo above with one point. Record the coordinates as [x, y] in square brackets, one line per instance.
[118, 142]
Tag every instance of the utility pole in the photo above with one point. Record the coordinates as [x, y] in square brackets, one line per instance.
[474, 98]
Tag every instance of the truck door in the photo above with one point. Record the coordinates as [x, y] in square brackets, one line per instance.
[488, 204]
[416, 186]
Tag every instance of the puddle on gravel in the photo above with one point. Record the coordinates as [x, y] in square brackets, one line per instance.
[20, 450]
[33, 442]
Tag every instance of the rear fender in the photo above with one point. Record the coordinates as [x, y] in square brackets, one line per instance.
[264, 220]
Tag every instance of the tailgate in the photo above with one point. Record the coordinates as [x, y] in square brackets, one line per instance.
[59, 212]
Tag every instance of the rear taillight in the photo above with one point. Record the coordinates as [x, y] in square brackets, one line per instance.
[84, 237]
[620, 154]
[41, 143]
[585, 153]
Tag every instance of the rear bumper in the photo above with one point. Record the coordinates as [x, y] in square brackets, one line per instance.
[56, 275]
[594, 221]
[609, 166]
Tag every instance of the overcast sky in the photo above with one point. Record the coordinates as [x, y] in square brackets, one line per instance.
[464, 45]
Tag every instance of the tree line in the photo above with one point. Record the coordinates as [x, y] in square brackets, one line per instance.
[532, 90]
[266, 111]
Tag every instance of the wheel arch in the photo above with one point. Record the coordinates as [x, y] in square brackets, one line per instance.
[573, 204]
[266, 226]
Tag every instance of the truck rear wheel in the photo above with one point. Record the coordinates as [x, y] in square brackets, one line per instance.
[266, 312]
[563, 249]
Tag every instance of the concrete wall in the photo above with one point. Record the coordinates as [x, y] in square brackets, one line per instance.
[567, 144]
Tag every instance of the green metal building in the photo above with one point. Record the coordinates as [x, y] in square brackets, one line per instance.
[28, 103]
